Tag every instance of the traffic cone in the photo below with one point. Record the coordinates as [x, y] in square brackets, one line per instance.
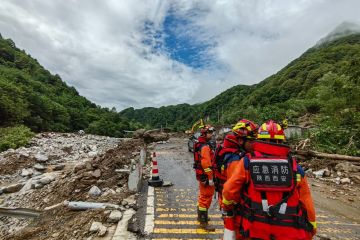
[155, 180]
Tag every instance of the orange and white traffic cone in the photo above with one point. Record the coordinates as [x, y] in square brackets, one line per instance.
[155, 180]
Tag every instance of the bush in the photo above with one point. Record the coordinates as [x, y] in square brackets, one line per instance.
[14, 137]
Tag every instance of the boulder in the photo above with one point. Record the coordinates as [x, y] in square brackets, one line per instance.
[327, 173]
[26, 172]
[13, 188]
[96, 173]
[347, 167]
[41, 157]
[97, 227]
[94, 191]
[345, 181]
[39, 167]
[115, 216]
[58, 167]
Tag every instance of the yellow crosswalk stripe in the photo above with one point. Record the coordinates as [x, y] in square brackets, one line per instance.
[162, 204]
[187, 231]
[175, 210]
[170, 215]
[171, 222]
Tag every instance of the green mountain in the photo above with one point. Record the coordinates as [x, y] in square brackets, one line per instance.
[31, 96]
[320, 88]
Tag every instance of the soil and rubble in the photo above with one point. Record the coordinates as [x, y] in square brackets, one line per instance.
[335, 179]
[58, 169]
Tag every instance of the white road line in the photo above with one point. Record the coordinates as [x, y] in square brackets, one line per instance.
[150, 209]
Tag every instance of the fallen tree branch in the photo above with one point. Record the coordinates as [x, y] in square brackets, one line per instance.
[327, 155]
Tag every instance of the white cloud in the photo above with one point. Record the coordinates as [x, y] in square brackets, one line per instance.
[97, 46]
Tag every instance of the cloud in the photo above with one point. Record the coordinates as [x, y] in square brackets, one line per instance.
[117, 53]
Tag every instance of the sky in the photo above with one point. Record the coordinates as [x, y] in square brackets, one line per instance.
[150, 53]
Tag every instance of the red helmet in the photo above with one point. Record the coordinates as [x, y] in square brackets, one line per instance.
[245, 128]
[206, 128]
[271, 130]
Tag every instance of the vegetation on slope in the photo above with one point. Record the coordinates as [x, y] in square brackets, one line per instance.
[322, 84]
[31, 96]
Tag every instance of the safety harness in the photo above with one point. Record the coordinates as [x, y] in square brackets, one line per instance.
[199, 171]
[222, 158]
[271, 196]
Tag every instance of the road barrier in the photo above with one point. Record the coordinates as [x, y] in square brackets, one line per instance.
[155, 180]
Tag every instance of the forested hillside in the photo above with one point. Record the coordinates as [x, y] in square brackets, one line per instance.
[320, 88]
[31, 96]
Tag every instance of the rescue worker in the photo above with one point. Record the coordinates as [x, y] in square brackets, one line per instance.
[204, 174]
[229, 153]
[269, 191]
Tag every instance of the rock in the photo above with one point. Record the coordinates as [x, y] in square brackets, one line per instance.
[79, 166]
[81, 132]
[58, 167]
[124, 203]
[131, 201]
[92, 154]
[39, 167]
[26, 172]
[327, 173]
[13, 188]
[355, 178]
[115, 216]
[94, 191]
[319, 174]
[45, 180]
[41, 157]
[1, 191]
[323, 237]
[96, 173]
[55, 235]
[347, 167]
[345, 181]
[339, 174]
[102, 231]
[97, 227]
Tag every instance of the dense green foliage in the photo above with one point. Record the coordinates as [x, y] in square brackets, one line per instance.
[323, 83]
[31, 95]
[14, 137]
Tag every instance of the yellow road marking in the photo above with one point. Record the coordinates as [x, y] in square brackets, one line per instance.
[163, 215]
[171, 222]
[175, 209]
[178, 205]
[186, 231]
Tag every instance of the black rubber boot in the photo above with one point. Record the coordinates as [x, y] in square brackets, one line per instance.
[203, 219]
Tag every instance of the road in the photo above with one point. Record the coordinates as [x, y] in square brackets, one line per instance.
[175, 207]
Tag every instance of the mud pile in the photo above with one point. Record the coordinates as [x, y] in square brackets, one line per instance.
[77, 168]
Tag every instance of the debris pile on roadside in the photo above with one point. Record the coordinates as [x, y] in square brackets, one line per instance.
[61, 172]
[149, 136]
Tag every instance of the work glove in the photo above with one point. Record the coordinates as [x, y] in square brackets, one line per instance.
[211, 182]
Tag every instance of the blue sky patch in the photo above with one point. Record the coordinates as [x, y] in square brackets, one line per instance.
[177, 39]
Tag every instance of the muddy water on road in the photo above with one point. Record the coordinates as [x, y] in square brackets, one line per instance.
[175, 207]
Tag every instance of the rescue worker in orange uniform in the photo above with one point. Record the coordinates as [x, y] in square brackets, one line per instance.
[204, 174]
[229, 153]
[269, 191]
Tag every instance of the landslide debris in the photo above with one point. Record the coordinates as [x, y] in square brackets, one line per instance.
[71, 165]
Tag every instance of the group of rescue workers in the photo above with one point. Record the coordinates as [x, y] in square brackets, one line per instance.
[262, 191]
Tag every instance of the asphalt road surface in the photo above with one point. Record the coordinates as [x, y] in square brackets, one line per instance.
[175, 207]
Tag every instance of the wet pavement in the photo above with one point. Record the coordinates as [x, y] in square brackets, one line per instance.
[175, 207]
